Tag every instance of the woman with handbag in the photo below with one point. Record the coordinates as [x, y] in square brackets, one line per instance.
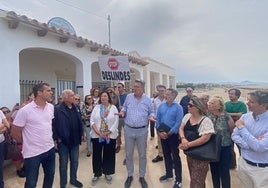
[104, 124]
[4, 126]
[223, 125]
[195, 130]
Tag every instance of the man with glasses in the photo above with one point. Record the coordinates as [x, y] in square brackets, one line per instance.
[185, 100]
[139, 110]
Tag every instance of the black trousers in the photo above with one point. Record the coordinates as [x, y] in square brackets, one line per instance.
[103, 160]
[171, 156]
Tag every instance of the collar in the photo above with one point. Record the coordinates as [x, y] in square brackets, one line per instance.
[260, 116]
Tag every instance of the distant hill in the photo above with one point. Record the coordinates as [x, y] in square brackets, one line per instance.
[245, 83]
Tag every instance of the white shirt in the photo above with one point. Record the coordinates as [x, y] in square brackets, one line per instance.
[112, 121]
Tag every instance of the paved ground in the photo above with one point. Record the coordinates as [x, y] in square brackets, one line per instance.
[154, 171]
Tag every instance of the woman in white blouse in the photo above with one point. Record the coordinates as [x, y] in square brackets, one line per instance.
[104, 125]
[196, 130]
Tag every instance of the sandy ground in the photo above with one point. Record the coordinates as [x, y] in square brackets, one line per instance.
[154, 171]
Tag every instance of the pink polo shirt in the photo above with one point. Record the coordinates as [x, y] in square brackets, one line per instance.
[37, 128]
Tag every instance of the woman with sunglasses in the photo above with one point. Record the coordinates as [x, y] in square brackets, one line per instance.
[196, 130]
[223, 125]
[86, 114]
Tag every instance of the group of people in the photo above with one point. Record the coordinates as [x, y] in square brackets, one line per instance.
[197, 118]
[232, 121]
[179, 126]
[61, 129]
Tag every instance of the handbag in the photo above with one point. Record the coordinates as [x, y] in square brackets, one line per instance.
[11, 149]
[209, 151]
[163, 128]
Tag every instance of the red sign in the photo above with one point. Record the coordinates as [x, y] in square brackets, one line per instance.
[113, 63]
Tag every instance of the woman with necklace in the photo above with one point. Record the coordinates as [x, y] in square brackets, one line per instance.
[104, 124]
[223, 125]
[196, 130]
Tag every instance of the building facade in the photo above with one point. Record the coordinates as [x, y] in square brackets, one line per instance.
[34, 52]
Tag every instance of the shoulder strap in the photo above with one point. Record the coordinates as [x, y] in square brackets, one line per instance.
[201, 121]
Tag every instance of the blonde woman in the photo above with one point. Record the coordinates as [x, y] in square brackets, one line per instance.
[196, 130]
[223, 125]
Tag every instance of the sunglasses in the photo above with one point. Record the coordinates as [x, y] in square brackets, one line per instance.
[6, 112]
[191, 105]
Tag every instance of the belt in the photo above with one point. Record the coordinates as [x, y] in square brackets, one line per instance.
[261, 165]
[136, 127]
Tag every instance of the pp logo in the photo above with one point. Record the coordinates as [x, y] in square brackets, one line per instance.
[113, 63]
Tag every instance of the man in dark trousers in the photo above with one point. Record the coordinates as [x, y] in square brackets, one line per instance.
[67, 133]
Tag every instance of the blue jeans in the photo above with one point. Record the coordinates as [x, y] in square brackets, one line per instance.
[66, 152]
[32, 165]
[1, 164]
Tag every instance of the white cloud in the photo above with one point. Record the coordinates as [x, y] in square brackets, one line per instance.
[204, 40]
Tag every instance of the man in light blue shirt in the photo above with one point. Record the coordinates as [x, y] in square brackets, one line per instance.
[251, 134]
[137, 110]
[170, 114]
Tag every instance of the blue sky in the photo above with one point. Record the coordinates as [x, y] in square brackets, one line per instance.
[205, 41]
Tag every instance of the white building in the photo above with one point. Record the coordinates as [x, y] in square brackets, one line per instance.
[34, 52]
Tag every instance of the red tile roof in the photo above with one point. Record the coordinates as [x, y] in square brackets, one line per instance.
[64, 36]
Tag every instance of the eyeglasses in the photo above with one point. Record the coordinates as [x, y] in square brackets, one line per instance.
[191, 105]
[6, 111]
[77, 99]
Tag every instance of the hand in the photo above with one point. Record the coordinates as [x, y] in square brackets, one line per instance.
[163, 135]
[122, 114]
[151, 118]
[260, 137]
[239, 123]
[101, 134]
[2, 128]
[184, 146]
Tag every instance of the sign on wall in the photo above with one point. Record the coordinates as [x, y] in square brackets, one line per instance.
[114, 68]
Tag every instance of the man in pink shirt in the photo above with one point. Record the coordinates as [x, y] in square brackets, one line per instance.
[33, 127]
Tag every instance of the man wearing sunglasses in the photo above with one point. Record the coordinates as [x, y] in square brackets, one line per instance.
[185, 99]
